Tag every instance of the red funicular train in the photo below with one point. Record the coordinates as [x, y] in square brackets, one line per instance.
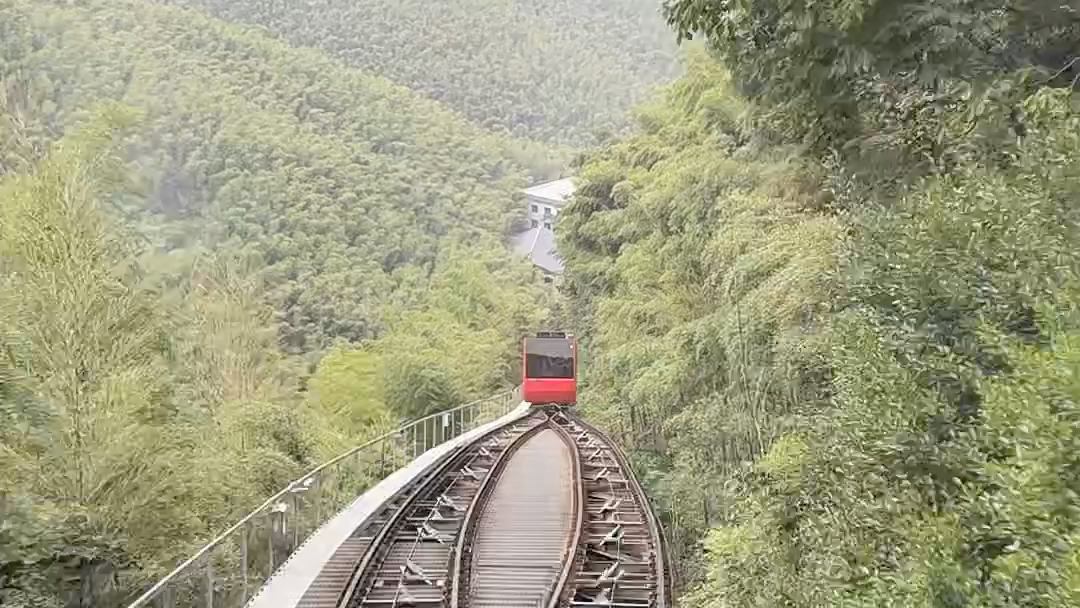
[549, 369]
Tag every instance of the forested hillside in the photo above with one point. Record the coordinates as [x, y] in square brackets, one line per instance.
[192, 217]
[349, 188]
[828, 291]
[555, 70]
[831, 298]
[136, 415]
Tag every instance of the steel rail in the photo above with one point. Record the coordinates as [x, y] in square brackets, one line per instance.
[493, 472]
[578, 469]
[301, 482]
[661, 561]
[363, 569]
[477, 504]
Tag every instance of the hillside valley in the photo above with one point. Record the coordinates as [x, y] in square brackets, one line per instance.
[820, 261]
[255, 256]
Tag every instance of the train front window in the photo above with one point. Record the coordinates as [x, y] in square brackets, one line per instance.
[543, 366]
[549, 358]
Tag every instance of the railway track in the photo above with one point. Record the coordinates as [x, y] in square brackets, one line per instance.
[621, 559]
[523, 525]
[541, 513]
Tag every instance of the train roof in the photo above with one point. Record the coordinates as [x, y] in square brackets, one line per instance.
[552, 334]
[556, 346]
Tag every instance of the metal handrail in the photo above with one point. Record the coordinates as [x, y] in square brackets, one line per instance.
[503, 402]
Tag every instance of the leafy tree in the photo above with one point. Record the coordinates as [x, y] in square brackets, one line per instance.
[349, 384]
[839, 382]
[84, 369]
[896, 85]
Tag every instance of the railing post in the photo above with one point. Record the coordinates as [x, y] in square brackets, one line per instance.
[210, 580]
[244, 563]
[395, 453]
[317, 500]
[278, 531]
[296, 522]
[270, 539]
[168, 597]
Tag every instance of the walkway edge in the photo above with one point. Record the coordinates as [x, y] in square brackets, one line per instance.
[285, 588]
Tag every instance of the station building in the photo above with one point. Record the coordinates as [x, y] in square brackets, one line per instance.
[545, 201]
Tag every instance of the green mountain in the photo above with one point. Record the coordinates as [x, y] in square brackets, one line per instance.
[343, 184]
[556, 70]
[181, 199]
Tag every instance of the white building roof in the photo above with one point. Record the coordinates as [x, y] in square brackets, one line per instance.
[555, 192]
[539, 245]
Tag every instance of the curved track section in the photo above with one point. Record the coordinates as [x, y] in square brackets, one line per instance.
[542, 512]
[409, 557]
[620, 560]
[515, 549]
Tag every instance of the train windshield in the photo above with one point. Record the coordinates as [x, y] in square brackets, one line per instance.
[549, 358]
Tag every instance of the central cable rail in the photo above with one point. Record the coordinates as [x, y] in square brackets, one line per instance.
[523, 527]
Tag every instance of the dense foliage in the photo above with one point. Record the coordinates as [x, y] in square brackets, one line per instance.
[911, 78]
[345, 186]
[123, 392]
[222, 260]
[556, 70]
[698, 257]
[828, 291]
[837, 323]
